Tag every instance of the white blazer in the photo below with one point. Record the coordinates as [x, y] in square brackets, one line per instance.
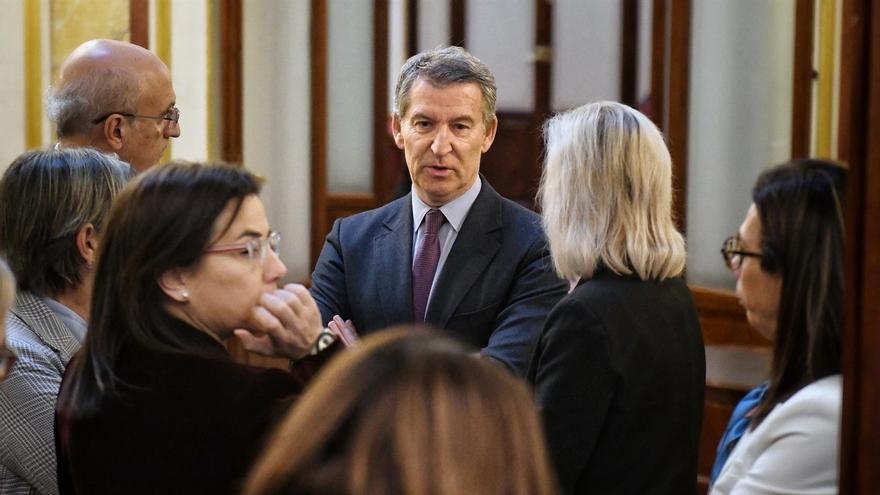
[793, 451]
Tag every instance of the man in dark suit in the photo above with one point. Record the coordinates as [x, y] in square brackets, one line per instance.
[453, 253]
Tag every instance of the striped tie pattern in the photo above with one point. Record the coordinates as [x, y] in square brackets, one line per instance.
[426, 263]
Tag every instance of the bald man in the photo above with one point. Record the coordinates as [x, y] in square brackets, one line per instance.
[116, 97]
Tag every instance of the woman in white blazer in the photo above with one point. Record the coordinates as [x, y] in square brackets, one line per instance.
[788, 260]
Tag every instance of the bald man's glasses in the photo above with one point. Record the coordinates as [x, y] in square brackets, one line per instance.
[171, 117]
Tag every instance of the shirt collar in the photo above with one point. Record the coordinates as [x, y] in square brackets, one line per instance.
[455, 211]
[71, 320]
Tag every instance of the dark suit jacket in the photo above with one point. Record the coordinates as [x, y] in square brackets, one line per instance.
[494, 291]
[619, 374]
[183, 424]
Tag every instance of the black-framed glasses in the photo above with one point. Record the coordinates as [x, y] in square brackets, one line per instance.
[7, 361]
[256, 249]
[171, 117]
[733, 253]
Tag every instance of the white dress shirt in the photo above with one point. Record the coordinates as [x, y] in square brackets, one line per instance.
[455, 212]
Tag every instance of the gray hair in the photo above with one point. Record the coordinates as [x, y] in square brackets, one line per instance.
[442, 67]
[75, 106]
[46, 198]
[606, 194]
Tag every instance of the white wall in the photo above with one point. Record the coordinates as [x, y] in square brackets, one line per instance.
[586, 58]
[740, 119]
[276, 119]
[349, 96]
[189, 72]
[433, 23]
[12, 140]
[501, 33]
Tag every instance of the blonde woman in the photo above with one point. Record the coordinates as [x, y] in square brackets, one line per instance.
[619, 367]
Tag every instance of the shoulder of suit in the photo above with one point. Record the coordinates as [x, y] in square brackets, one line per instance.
[18, 332]
[822, 397]
[380, 214]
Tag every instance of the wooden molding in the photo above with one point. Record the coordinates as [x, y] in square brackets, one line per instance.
[629, 52]
[139, 22]
[678, 98]
[412, 27]
[723, 319]
[457, 25]
[231, 92]
[859, 125]
[318, 85]
[382, 183]
[802, 79]
[658, 63]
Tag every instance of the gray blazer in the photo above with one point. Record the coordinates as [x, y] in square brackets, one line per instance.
[44, 346]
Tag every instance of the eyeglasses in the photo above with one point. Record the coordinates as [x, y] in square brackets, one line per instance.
[7, 361]
[171, 117]
[256, 249]
[733, 254]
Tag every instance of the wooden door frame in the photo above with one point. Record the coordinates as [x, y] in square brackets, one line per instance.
[326, 205]
[859, 125]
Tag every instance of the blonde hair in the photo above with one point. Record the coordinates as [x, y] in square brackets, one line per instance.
[606, 194]
[408, 412]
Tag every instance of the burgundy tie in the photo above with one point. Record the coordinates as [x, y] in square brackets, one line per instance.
[426, 263]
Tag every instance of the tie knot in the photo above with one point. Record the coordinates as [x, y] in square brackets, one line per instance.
[433, 220]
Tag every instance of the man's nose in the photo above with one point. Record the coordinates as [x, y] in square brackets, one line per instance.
[442, 144]
[172, 130]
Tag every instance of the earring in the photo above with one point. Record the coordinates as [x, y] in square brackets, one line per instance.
[185, 295]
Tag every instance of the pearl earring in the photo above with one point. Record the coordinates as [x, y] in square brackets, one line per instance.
[185, 295]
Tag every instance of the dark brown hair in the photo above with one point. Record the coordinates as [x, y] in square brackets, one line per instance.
[800, 205]
[163, 221]
[408, 412]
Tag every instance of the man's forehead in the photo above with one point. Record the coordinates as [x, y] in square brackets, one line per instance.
[425, 96]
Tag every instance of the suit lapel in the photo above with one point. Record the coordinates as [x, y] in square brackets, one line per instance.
[393, 260]
[42, 320]
[475, 247]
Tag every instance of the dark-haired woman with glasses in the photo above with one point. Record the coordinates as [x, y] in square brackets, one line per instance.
[154, 403]
[788, 261]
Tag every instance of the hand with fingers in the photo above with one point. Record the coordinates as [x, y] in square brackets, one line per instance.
[345, 329]
[286, 323]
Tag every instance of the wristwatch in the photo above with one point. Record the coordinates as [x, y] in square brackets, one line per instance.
[325, 340]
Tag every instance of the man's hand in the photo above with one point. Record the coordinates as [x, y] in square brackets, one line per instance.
[286, 324]
[344, 329]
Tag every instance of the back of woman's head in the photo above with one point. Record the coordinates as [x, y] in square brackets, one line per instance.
[46, 198]
[606, 194]
[408, 412]
[162, 221]
[800, 206]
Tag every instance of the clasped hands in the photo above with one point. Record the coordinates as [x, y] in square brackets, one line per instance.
[287, 323]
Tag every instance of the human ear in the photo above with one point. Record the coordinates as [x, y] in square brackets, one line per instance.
[87, 244]
[490, 135]
[395, 129]
[114, 131]
[173, 284]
